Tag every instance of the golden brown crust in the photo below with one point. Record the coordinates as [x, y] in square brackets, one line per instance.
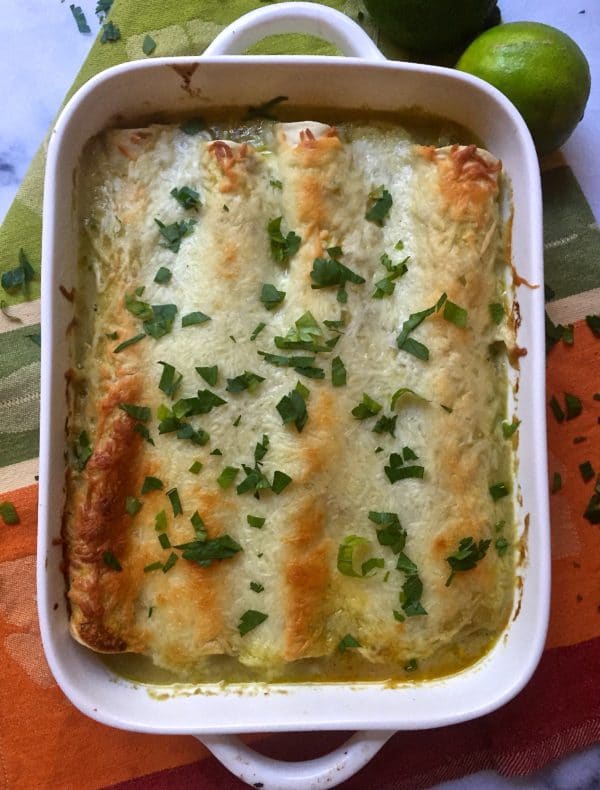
[100, 522]
[307, 573]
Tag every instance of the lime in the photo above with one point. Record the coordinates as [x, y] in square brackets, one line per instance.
[541, 70]
[431, 25]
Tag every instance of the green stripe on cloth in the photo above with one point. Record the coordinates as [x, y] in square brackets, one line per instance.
[19, 395]
[571, 236]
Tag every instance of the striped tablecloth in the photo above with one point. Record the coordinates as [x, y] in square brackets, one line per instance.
[45, 742]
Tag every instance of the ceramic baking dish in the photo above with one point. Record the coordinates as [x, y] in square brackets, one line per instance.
[364, 80]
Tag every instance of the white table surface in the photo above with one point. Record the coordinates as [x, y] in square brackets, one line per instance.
[41, 53]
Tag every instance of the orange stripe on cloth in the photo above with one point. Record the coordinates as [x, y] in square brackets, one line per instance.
[44, 740]
[575, 612]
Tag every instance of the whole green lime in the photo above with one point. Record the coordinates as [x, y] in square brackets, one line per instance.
[430, 25]
[541, 70]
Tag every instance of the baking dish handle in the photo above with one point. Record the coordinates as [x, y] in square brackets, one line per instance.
[328, 771]
[318, 20]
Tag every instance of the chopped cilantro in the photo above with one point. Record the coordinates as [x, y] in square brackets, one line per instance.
[386, 425]
[164, 541]
[102, 8]
[154, 566]
[380, 202]
[282, 247]
[191, 319]
[170, 562]
[275, 183]
[347, 643]
[556, 483]
[237, 421]
[392, 533]
[397, 471]
[198, 525]
[466, 557]
[556, 409]
[256, 587]
[110, 33]
[327, 272]
[204, 402]
[173, 495]
[593, 321]
[79, 16]
[292, 408]
[186, 197]
[255, 521]
[257, 330]
[141, 413]
[587, 471]
[161, 323]
[386, 286]
[163, 275]
[254, 482]
[338, 372]
[196, 467]
[406, 343]
[170, 379]
[345, 558]
[160, 521]
[306, 335]
[111, 561]
[82, 450]
[280, 481]
[270, 296]
[454, 314]
[151, 484]
[496, 312]
[499, 490]
[366, 408]
[245, 381]
[501, 546]
[148, 45]
[175, 232]
[411, 665]
[132, 505]
[8, 514]
[508, 428]
[404, 391]
[250, 620]
[204, 552]
[261, 448]
[209, 374]
[129, 342]
[227, 476]
[573, 406]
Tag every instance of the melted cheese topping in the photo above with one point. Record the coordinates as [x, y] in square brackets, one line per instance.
[321, 181]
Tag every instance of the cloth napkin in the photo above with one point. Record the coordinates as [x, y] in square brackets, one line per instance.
[45, 742]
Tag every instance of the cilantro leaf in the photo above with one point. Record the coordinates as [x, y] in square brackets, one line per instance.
[496, 312]
[8, 514]
[170, 379]
[282, 247]
[466, 557]
[111, 561]
[454, 314]
[18, 278]
[250, 620]
[380, 203]
[245, 381]
[204, 552]
[110, 33]
[209, 374]
[148, 45]
[348, 642]
[79, 16]
[82, 451]
[292, 408]
[270, 296]
[186, 197]
[338, 372]
[366, 408]
[174, 233]
[192, 319]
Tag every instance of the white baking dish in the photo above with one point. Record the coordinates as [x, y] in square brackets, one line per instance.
[366, 81]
